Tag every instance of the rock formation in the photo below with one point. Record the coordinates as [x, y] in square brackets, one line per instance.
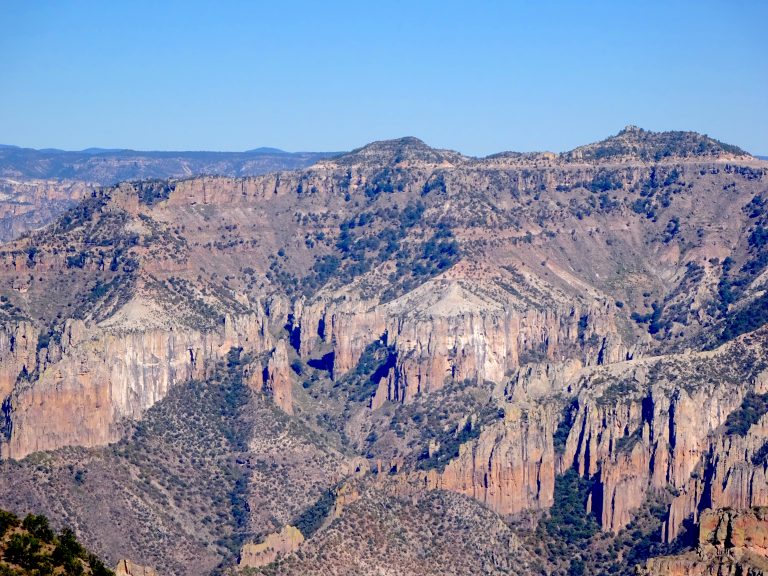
[510, 468]
[277, 377]
[730, 543]
[273, 547]
[128, 568]
[473, 326]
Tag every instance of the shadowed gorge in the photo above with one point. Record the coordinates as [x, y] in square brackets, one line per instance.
[400, 359]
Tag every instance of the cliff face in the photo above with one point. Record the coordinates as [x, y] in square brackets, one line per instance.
[511, 467]
[446, 331]
[277, 378]
[637, 427]
[79, 390]
[646, 431]
[730, 543]
[31, 203]
[274, 546]
[477, 326]
[128, 568]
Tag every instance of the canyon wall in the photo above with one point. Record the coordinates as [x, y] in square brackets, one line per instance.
[78, 391]
[447, 341]
[730, 543]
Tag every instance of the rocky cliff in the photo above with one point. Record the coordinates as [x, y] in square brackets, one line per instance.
[78, 391]
[275, 545]
[484, 327]
[128, 568]
[730, 543]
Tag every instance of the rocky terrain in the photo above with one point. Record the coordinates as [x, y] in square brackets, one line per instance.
[399, 360]
[36, 186]
[730, 542]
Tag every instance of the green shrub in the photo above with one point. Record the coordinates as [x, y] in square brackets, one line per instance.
[7, 521]
[752, 408]
[38, 526]
[22, 550]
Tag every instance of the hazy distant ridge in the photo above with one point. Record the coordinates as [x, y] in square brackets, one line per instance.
[107, 166]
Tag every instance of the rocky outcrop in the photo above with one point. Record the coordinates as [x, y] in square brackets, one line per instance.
[510, 467]
[277, 378]
[27, 204]
[638, 426]
[128, 568]
[659, 425]
[731, 543]
[273, 547]
[445, 332]
[80, 389]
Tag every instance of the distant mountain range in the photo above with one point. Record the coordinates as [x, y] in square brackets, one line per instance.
[107, 166]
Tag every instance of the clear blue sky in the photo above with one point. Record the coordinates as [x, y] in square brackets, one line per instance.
[475, 76]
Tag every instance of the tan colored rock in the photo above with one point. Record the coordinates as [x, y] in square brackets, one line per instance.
[510, 467]
[731, 543]
[128, 568]
[274, 546]
[345, 495]
[279, 379]
[97, 378]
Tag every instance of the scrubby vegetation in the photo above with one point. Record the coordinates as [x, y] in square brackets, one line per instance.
[30, 547]
[153, 191]
[429, 534]
[751, 317]
[359, 384]
[309, 521]
[753, 407]
[450, 441]
[373, 238]
[656, 145]
[209, 466]
[570, 543]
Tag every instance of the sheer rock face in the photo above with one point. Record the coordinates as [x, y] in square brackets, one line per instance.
[510, 468]
[637, 426]
[730, 543]
[78, 391]
[451, 336]
[661, 427]
[278, 379]
[630, 443]
[27, 204]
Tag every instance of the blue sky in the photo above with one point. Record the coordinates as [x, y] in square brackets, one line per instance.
[478, 77]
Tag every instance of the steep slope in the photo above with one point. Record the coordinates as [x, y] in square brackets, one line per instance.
[436, 533]
[206, 468]
[36, 186]
[495, 329]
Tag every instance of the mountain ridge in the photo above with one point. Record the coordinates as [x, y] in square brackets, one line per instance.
[527, 342]
[108, 166]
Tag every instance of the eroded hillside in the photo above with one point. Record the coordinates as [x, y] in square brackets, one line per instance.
[489, 335]
[37, 186]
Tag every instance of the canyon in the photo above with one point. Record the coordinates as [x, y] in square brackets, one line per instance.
[398, 331]
[37, 186]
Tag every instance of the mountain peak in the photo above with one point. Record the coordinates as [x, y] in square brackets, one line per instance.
[634, 143]
[408, 150]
